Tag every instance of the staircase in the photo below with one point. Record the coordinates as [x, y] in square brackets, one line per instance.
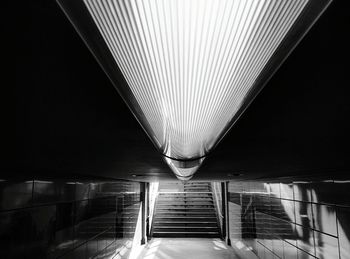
[185, 210]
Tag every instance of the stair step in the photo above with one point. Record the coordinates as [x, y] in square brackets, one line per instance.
[177, 204]
[187, 202]
[185, 223]
[185, 199]
[182, 207]
[185, 210]
[192, 194]
[188, 206]
[186, 234]
[186, 230]
[172, 208]
[191, 215]
[185, 194]
[197, 183]
[175, 201]
[186, 189]
[184, 204]
[197, 189]
[182, 199]
[177, 211]
[185, 218]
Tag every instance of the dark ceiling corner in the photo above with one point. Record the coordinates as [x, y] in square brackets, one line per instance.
[69, 118]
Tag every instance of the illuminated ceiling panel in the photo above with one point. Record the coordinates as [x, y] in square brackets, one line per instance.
[191, 66]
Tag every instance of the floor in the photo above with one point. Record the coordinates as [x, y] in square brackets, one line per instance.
[189, 248]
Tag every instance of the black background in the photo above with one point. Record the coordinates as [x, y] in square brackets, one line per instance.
[63, 116]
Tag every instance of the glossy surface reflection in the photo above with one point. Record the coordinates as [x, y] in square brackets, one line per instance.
[48, 218]
[292, 218]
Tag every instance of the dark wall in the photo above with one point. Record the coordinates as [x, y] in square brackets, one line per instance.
[65, 116]
[299, 124]
[292, 218]
[47, 218]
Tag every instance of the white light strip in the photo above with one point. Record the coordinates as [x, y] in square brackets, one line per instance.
[191, 63]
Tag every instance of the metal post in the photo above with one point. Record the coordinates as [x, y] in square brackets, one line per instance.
[223, 210]
[147, 212]
[227, 215]
[143, 213]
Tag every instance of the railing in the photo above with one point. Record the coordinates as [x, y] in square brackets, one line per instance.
[153, 195]
[217, 197]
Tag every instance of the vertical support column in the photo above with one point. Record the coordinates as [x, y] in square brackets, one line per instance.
[223, 209]
[143, 213]
[227, 216]
[147, 212]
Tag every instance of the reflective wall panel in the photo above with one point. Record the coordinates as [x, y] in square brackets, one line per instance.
[292, 218]
[67, 218]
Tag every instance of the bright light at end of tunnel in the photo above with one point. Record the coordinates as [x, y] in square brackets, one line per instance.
[191, 64]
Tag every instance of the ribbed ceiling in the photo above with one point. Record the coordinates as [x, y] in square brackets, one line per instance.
[191, 63]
